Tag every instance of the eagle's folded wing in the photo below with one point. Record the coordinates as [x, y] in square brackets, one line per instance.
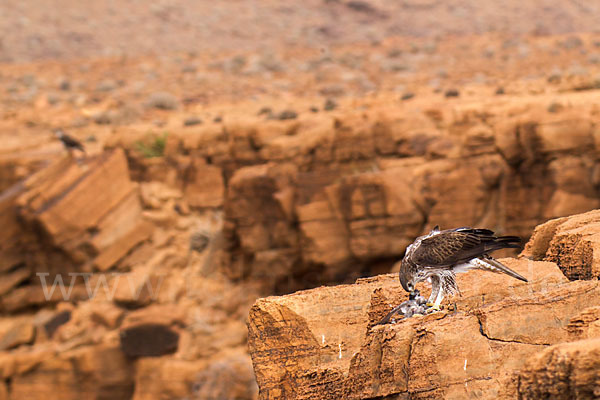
[458, 246]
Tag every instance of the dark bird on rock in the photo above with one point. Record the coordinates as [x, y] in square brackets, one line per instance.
[439, 255]
[69, 142]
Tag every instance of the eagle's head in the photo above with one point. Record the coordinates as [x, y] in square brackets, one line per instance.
[406, 278]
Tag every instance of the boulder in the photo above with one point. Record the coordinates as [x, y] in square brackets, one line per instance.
[564, 371]
[56, 321]
[585, 325]
[228, 376]
[203, 184]
[106, 314]
[136, 289]
[90, 209]
[573, 243]
[148, 340]
[21, 332]
[66, 198]
[89, 372]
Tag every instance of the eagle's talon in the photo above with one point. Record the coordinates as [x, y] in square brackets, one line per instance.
[428, 304]
[434, 308]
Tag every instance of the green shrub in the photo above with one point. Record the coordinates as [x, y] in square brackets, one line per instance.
[152, 145]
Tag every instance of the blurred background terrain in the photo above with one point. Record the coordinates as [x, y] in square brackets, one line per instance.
[240, 149]
[35, 29]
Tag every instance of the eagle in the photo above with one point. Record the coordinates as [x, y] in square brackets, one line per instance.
[440, 254]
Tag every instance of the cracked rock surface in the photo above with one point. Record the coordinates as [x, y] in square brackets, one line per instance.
[501, 336]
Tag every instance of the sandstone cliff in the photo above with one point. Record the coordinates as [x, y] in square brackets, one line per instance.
[333, 196]
[501, 338]
[108, 292]
[167, 254]
[70, 217]
[248, 208]
[213, 178]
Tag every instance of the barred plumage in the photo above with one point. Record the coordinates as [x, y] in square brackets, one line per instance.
[439, 255]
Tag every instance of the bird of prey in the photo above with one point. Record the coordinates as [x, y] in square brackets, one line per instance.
[439, 255]
[69, 142]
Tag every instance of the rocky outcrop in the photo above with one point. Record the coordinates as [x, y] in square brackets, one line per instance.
[190, 346]
[565, 371]
[337, 195]
[169, 265]
[148, 340]
[89, 209]
[585, 325]
[70, 217]
[83, 373]
[571, 242]
[106, 290]
[322, 343]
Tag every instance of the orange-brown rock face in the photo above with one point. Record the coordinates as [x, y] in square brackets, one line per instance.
[329, 196]
[108, 289]
[72, 216]
[323, 343]
[247, 207]
[82, 373]
[571, 242]
[564, 371]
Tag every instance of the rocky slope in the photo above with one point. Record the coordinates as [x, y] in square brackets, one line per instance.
[240, 168]
[169, 231]
[143, 275]
[328, 197]
[500, 339]
[107, 292]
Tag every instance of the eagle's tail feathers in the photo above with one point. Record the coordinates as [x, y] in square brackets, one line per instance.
[496, 266]
[513, 242]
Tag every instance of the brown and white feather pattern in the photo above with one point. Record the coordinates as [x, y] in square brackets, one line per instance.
[439, 255]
